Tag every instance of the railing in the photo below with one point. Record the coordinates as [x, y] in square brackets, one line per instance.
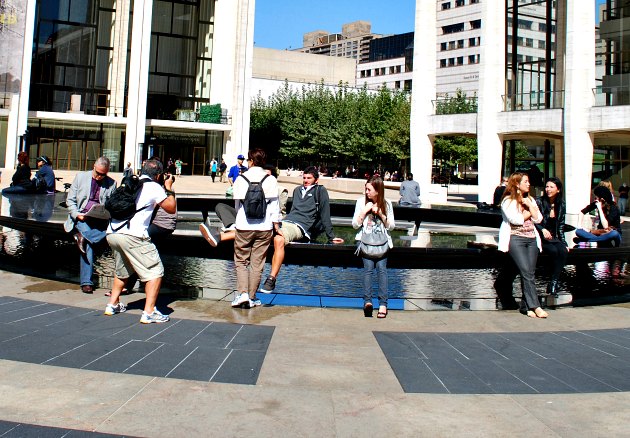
[455, 105]
[533, 100]
[612, 95]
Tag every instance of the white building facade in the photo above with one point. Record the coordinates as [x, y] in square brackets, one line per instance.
[128, 80]
[547, 107]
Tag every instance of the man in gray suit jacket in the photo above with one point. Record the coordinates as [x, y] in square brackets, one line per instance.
[88, 189]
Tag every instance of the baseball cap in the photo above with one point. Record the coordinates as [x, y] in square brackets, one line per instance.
[43, 158]
[240, 157]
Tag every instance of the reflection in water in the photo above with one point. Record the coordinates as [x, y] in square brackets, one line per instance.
[425, 288]
[38, 207]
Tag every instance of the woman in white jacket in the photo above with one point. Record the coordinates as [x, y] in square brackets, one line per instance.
[368, 212]
[518, 237]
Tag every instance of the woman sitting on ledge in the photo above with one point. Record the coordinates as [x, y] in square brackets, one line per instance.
[21, 180]
[608, 232]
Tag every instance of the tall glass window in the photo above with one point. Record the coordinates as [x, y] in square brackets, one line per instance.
[72, 52]
[182, 35]
[613, 54]
[531, 84]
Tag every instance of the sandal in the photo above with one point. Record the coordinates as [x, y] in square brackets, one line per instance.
[367, 310]
[382, 314]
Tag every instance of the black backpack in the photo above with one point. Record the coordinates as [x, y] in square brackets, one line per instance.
[255, 203]
[121, 204]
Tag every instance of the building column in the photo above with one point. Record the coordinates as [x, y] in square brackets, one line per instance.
[118, 66]
[138, 80]
[233, 51]
[18, 115]
[490, 100]
[424, 93]
[578, 99]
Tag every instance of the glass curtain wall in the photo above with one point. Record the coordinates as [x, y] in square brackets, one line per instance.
[615, 37]
[72, 53]
[530, 58]
[75, 145]
[181, 58]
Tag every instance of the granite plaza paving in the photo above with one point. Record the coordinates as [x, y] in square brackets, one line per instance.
[67, 370]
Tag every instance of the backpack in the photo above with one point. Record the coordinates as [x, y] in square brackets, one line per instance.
[121, 204]
[255, 203]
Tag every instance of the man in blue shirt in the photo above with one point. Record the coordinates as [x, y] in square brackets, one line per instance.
[46, 174]
[236, 170]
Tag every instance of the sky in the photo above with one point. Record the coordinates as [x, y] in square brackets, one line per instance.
[280, 24]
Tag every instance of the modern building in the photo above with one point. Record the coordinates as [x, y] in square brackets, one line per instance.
[126, 79]
[272, 69]
[353, 41]
[390, 63]
[549, 113]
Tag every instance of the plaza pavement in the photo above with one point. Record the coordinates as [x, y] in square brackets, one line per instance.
[324, 375]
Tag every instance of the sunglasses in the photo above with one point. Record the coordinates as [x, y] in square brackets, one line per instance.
[99, 173]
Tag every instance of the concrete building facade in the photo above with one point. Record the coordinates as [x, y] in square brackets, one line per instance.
[570, 132]
[126, 79]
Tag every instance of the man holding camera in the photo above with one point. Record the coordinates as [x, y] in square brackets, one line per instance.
[87, 190]
[132, 246]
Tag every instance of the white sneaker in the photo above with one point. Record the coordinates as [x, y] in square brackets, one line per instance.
[111, 309]
[242, 300]
[155, 317]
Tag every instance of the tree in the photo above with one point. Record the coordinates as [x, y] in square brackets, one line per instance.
[318, 124]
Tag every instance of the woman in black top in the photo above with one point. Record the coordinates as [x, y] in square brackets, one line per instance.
[551, 229]
[21, 180]
[608, 231]
[22, 175]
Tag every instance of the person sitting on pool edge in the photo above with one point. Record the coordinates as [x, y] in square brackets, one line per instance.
[310, 207]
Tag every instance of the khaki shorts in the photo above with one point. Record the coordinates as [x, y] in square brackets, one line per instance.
[135, 254]
[291, 232]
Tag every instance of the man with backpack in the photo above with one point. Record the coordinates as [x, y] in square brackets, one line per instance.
[257, 216]
[129, 239]
[88, 189]
[309, 215]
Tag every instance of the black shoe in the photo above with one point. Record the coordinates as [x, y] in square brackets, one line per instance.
[552, 288]
[80, 240]
[269, 285]
[212, 236]
[87, 289]
[367, 310]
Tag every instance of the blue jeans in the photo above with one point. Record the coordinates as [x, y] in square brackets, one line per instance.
[86, 261]
[612, 236]
[381, 271]
[524, 252]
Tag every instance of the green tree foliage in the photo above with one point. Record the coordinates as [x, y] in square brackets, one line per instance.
[453, 150]
[323, 125]
[458, 104]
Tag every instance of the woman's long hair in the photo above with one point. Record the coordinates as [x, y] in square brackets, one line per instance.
[512, 191]
[377, 183]
[559, 196]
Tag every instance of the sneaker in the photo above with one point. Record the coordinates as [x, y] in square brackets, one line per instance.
[155, 317]
[211, 235]
[269, 285]
[111, 309]
[242, 300]
[255, 303]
